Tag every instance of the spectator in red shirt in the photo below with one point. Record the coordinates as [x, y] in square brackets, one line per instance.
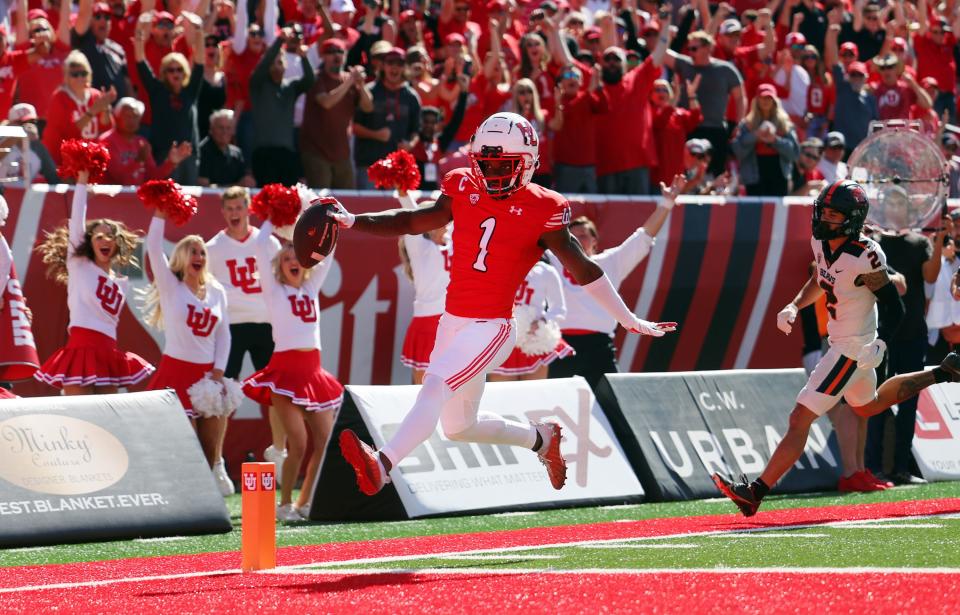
[455, 17]
[934, 45]
[77, 111]
[12, 65]
[591, 42]
[575, 128]
[420, 74]
[928, 117]
[38, 83]
[534, 65]
[671, 125]
[896, 95]
[131, 157]
[898, 47]
[241, 55]
[820, 95]
[526, 102]
[848, 53]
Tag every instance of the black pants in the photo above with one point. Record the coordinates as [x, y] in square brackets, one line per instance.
[595, 356]
[772, 182]
[903, 357]
[253, 337]
[273, 165]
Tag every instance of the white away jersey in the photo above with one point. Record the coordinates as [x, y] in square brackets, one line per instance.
[196, 330]
[543, 291]
[851, 307]
[583, 312]
[234, 264]
[94, 296]
[294, 312]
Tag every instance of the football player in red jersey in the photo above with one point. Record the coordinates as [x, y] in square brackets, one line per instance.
[503, 224]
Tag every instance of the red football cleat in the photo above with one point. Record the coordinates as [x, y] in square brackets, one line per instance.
[858, 482]
[363, 459]
[883, 483]
[550, 455]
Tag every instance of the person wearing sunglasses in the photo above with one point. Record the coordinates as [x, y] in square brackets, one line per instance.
[897, 90]
[575, 129]
[672, 124]
[820, 95]
[806, 178]
[38, 83]
[77, 111]
[173, 95]
[108, 60]
[934, 44]
[831, 164]
[855, 105]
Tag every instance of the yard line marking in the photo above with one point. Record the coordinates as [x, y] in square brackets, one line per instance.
[894, 526]
[680, 545]
[161, 539]
[496, 557]
[614, 571]
[770, 535]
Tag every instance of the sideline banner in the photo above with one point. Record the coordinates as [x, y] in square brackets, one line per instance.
[446, 477]
[104, 467]
[936, 442]
[679, 428]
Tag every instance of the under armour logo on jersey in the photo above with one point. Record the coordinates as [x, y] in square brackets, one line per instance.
[111, 299]
[474, 199]
[245, 276]
[201, 322]
[517, 211]
[302, 308]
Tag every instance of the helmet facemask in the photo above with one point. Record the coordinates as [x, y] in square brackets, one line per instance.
[500, 172]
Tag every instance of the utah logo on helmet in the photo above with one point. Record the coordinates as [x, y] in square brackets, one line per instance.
[849, 198]
[504, 153]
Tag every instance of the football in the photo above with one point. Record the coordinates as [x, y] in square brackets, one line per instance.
[315, 235]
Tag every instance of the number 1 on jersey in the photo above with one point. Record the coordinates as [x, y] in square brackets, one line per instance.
[487, 225]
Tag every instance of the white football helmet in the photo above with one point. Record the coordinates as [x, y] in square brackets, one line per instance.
[505, 152]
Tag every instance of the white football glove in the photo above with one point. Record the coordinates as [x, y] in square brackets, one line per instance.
[655, 329]
[343, 217]
[871, 355]
[786, 317]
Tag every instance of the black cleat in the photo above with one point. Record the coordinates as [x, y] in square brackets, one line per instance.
[740, 493]
[951, 365]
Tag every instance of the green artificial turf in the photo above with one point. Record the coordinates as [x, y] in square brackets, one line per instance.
[939, 540]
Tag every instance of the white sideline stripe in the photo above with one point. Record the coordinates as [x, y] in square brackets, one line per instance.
[770, 535]
[883, 526]
[679, 545]
[498, 557]
[769, 277]
[323, 567]
[617, 571]
[161, 539]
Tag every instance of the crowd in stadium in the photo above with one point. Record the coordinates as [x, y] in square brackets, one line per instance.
[748, 97]
[631, 97]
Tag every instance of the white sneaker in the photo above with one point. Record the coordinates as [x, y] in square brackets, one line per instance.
[277, 458]
[223, 481]
[289, 513]
[305, 511]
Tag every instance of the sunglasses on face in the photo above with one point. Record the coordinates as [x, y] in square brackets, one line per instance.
[334, 51]
[39, 30]
[164, 25]
[700, 156]
[612, 59]
[872, 17]
[810, 155]
[569, 76]
[393, 62]
[79, 73]
[255, 34]
[838, 146]
[810, 57]
[102, 16]
[846, 54]
[694, 48]
[888, 67]
[173, 69]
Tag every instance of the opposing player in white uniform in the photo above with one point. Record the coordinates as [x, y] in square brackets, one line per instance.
[294, 382]
[428, 256]
[587, 327]
[851, 272]
[188, 303]
[232, 260]
[84, 257]
[540, 300]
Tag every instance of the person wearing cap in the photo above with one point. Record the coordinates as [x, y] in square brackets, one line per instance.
[730, 48]
[865, 29]
[435, 138]
[13, 63]
[40, 164]
[721, 84]
[930, 122]
[331, 104]
[791, 76]
[855, 106]
[38, 83]
[272, 98]
[591, 41]
[831, 164]
[173, 96]
[895, 95]
[848, 53]
[821, 94]
[813, 24]
[934, 43]
[159, 42]
[806, 178]
[77, 111]
[108, 60]
[394, 121]
[131, 158]
[765, 144]
[671, 125]
[455, 17]
[420, 74]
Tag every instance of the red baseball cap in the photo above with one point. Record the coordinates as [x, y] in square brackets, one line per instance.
[930, 82]
[332, 44]
[858, 67]
[795, 38]
[407, 15]
[495, 6]
[651, 26]
[852, 47]
[102, 8]
[162, 16]
[899, 43]
[37, 14]
[454, 38]
[767, 89]
[592, 33]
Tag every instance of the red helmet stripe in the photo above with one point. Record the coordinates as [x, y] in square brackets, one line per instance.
[829, 194]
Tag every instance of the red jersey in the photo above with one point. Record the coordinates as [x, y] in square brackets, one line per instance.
[670, 129]
[237, 69]
[495, 242]
[12, 65]
[131, 160]
[62, 116]
[41, 80]
[820, 97]
[893, 102]
[937, 61]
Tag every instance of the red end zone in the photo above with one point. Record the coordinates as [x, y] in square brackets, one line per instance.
[111, 586]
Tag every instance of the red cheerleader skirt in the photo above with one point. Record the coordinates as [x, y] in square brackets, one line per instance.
[92, 358]
[418, 344]
[298, 375]
[179, 376]
[5, 394]
[518, 363]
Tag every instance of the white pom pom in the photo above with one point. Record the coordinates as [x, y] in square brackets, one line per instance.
[525, 315]
[535, 341]
[205, 395]
[4, 210]
[232, 396]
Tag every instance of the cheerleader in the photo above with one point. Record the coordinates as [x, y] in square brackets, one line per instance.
[18, 353]
[426, 262]
[538, 308]
[84, 256]
[187, 302]
[304, 394]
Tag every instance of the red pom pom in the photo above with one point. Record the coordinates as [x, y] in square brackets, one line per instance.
[398, 170]
[83, 155]
[278, 204]
[167, 196]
